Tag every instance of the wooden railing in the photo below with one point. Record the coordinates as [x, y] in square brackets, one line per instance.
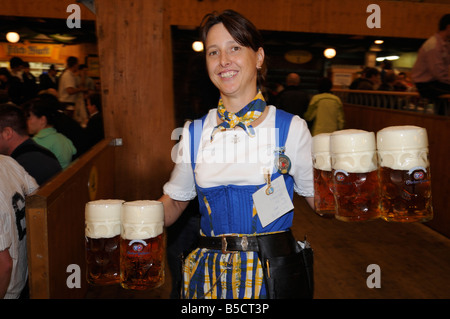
[408, 101]
[55, 224]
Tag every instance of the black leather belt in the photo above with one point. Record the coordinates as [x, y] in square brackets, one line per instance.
[281, 243]
[229, 243]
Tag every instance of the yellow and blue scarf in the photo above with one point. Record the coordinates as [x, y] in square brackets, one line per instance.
[242, 118]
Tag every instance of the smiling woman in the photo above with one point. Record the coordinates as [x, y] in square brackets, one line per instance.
[238, 34]
[237, 237]
[232, 67]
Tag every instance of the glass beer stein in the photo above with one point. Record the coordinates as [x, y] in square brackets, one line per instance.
[323, 177]
[355, 175]
[102, 234]
[405, 177]
[142, 245]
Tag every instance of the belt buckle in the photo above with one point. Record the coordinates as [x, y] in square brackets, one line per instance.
[244, 244]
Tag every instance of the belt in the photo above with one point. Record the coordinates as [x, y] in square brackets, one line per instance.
[229, 243]
[276, 244]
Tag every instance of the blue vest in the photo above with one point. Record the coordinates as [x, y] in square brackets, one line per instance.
[229, 209]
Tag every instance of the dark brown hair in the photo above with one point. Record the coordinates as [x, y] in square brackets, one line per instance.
[41, 107]
[12, 116]
[242, 30]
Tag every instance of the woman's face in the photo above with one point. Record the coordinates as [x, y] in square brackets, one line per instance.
[35, 124]
[231, 67]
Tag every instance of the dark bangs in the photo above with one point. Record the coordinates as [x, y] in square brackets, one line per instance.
[242, 30]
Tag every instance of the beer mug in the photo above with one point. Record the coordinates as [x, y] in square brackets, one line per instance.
[102, 234]
[355, 175]
[405, 177]
[142, 245]
[323, 177]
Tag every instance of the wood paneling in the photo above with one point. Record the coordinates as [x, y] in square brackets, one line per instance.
[56, 9]
[409, 19]
[438, 128]
[136, 69]
[55, 223]
[398, 18]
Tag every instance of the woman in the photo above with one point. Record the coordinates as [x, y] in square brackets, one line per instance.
[41, 120]
[233, 151]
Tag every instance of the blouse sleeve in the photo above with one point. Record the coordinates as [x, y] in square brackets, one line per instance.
[298, 149]
[181, 184]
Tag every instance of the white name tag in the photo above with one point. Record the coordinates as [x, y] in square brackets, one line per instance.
[270, 207]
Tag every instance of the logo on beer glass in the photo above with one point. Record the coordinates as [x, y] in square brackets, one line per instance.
[340, 175]
[137, 245]
[418, 173]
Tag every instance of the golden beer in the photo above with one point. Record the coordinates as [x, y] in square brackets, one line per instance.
[357, 196]
[102, 238]
[102, 258]
[355, 175]
[405, 176]
[142, 263]
[324, 202]
[142, 245]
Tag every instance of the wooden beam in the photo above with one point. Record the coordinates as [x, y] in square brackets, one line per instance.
[135, 52]
[56, 9]
[398, 18]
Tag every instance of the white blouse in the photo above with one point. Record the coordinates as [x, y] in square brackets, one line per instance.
[235, 158]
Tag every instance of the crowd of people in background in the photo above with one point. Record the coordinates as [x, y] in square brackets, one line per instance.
[384, 78]
[63, 113]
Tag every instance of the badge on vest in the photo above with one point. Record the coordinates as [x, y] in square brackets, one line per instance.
[282, 161]
[272, 201]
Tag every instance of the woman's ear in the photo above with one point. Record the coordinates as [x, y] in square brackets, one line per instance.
[259, 58]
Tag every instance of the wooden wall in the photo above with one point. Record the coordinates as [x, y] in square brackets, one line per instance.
[398, 18]
[45, 9]
[410, 19]
[374, 119]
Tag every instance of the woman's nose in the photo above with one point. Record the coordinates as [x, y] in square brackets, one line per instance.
[224, 59]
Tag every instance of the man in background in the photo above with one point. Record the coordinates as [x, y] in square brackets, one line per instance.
[15, 185]
[292, 99]
[38, 161]
[431, 71]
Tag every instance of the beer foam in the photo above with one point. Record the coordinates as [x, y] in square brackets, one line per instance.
[102, 218]
[353, 151]
[403, 147]
[142, 219]
[321, 151]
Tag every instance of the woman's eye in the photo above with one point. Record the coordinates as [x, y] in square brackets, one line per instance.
[211, 53]
[236, 48]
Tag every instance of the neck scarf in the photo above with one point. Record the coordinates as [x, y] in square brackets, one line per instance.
[242, 118]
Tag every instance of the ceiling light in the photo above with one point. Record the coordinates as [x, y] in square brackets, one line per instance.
[390, 58]
[197, 46]
[12, 37]
[378, 41]
[329, 53]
